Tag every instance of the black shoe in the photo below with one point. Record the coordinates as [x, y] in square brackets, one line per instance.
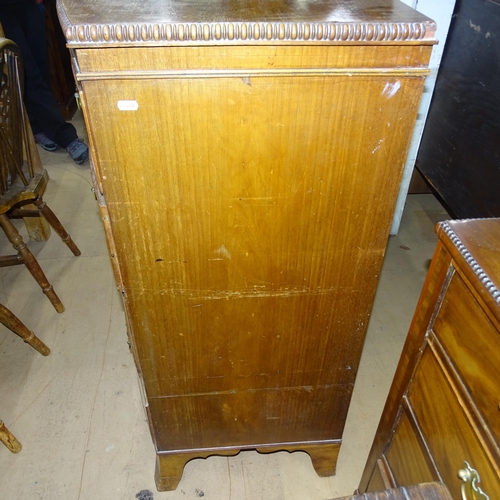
[78, 151]
[45, 142]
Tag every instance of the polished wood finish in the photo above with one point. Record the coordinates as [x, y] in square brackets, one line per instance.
[195, 22]
[443, 408]
[430, 491]
[406, 457]
[378, 481]
[241, 156]
[23, 179]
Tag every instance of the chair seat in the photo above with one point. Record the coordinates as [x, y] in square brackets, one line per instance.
[19, 193]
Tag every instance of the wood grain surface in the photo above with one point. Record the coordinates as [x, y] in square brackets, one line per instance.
[251, 266]
[247, 193]
[409, 464]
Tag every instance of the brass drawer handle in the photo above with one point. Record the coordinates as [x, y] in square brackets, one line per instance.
[470, 488]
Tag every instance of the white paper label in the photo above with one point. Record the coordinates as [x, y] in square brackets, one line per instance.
[128, 105]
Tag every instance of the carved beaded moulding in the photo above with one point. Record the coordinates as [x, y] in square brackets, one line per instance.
[478, 271]
[243, 32]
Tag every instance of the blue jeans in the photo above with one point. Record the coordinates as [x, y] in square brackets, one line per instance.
[23, 22]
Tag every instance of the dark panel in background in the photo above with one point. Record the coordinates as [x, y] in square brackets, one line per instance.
[460, 150]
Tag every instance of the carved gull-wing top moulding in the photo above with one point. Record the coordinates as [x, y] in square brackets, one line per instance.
[165, 22]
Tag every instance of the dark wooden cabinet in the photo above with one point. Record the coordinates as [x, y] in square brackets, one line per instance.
[443, 411]
[247, 158]
[460, 152]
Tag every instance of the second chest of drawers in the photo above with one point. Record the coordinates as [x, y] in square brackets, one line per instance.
[442, 417]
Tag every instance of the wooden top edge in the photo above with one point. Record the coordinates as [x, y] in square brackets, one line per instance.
[247, 22]
[477, 242]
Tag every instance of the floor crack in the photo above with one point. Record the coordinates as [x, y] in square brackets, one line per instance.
[91, 416]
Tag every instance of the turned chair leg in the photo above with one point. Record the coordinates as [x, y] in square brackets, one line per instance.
[14, 324]
[30, 262]
[56, 225]
[8, 439]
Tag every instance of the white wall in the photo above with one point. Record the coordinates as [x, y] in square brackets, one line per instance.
[441, 12]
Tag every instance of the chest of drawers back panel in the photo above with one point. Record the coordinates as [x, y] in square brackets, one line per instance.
[247, 175]
[444, 406]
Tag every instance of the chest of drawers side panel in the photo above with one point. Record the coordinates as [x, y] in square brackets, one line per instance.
[250, 172]
[236, 215]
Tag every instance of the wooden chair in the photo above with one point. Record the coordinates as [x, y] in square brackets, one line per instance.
[8, 439]
[14, 324]
[23, 179]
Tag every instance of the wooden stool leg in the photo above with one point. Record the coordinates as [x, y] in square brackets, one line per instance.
[30, 262]
[56, 225]
[8, 439]
[14, 324]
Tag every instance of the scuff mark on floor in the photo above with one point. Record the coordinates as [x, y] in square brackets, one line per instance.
[144, 495]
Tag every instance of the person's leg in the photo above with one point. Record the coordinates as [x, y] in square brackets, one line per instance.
[25, 25]
[14, 31]
[32, 20]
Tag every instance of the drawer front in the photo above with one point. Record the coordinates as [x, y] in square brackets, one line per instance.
[406, 457]
[449, 435]
[473, 343]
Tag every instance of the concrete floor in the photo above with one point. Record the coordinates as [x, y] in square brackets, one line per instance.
[78, 412]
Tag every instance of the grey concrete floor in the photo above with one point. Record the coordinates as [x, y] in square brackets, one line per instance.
[78, 412]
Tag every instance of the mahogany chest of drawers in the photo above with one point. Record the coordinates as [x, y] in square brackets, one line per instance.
[442, 418]
[247, 157]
